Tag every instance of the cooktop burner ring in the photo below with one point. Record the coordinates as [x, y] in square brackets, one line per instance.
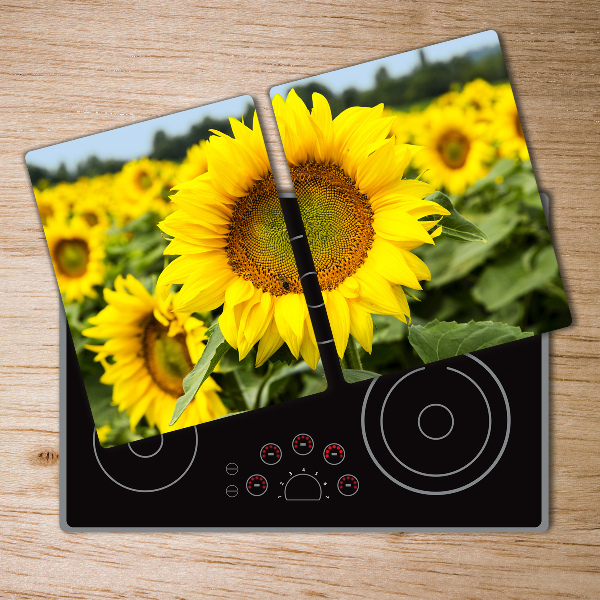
[448, 473]
[420, 426]
[162, 441]
[149, 456]
[452, 490]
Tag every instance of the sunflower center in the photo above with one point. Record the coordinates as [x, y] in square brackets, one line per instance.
[454, 147]
[167, 358]
[45, 212]
[71, 257]
[91, 218]
[143, 180]
[339, 226]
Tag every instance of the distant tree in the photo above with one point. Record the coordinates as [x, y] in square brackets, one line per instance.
[37, 174]
[382, 76]
[349, 97]
[426, 81]
[62, 174]
[94, 166]
[165, 147]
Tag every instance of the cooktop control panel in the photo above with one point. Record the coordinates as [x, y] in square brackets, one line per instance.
[320, 477]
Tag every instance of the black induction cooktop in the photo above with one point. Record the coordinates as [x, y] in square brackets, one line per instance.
[384, 454]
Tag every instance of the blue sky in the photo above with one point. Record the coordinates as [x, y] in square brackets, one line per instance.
[135, 141]
[362, 76]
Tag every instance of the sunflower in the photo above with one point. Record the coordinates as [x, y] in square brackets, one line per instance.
[450, 98]
[194, 164]
[508, 131]
[50, 204]
[140, 178]
[77, 252]
[139, 184]
[455, 152]
[103, 433]
[152, 350]
[92, 209]
[477, 94]
[361, 219]
[407, 125]
[169, 176]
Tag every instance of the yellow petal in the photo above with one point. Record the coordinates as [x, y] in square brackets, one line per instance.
[309, 348]
[200, 296]
[349, 288]
[376, 293]
[254, 321]
[361, 326]
[138, 410]
[229, 321]
[239, 291]
[289, 315]
[403, 190]
[402, 303]
[389, 262]
[378, 169]
[269, 343]
[397, 225]
[339, 319]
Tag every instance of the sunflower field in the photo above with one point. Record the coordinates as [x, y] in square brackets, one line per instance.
[428, 237]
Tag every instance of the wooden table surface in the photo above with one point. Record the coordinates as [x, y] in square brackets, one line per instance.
[70, 68]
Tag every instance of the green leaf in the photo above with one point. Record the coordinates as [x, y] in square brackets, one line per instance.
[313, 383]
[211, 329]
[100, 397]
[454, 225]
[503, 168]
[524, 181]
[387, 329]
[249, 385]
[214, 351]
[439, 339]
[457, 260]
[514, 276]
[282, 373]
[283, 355]
[354, 375]
[231, 362]
[512, 313]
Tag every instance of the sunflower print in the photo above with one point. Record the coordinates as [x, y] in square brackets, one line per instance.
[362, 221]
[508, 130]
[77, 252]
[456, 153]
[194, 164]
[50, 204]
[151, 350]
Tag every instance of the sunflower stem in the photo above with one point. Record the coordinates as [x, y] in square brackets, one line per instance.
[351, 356]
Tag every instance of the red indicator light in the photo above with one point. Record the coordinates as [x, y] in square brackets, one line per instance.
[333, 454]
[270, 454]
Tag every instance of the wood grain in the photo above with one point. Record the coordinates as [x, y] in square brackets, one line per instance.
[71, 68]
